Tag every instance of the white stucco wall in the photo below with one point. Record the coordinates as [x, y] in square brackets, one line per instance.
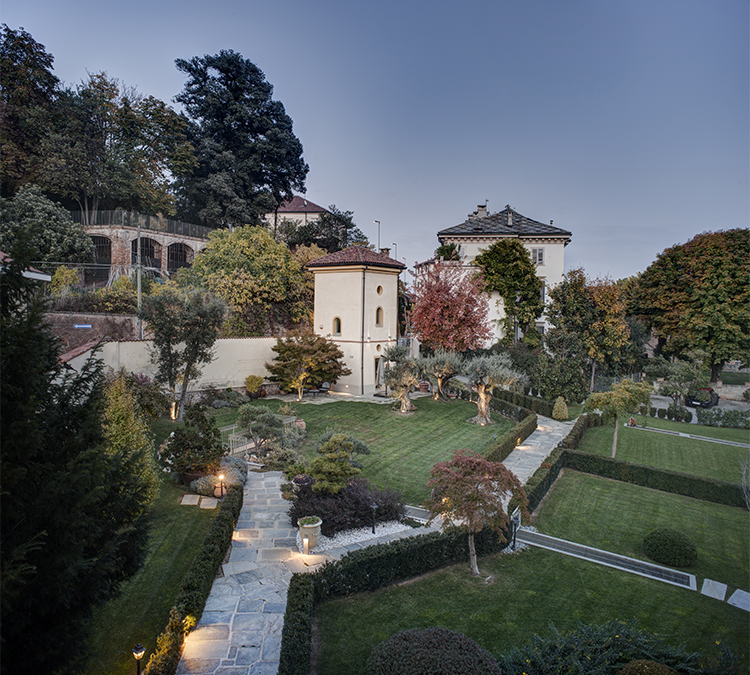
[234, 360]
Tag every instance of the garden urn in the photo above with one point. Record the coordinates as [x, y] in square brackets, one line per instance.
[309, 527]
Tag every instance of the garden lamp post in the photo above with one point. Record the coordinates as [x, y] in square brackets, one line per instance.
[515, 523]
[374, 508]
[138, 652]
[221, 486]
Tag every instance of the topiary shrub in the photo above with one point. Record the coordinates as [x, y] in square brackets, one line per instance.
[560, 411]
[662, 413]
[688, 417]
[432, 651]
[670, 547]
[652, 411]
[645, 667]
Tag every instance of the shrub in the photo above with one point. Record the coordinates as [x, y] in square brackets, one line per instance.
[746, 395]
[688, 417]
[348, 509]
[195, 447]
[670, 547]
[645, 667]
[604, 649]
[662, 413]
[511, 439]
[652, 411]
[432, 651]
[560, 411]
[253, 384]
[643, 410]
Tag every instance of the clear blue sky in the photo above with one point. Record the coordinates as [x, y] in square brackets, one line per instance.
[625, 122]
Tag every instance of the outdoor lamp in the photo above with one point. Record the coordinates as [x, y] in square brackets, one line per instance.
[221, 485]
[138, 652]
[305, 545]
[374, 508]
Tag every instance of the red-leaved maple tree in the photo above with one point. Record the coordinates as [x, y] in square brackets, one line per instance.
[450, 309]
[471, 492]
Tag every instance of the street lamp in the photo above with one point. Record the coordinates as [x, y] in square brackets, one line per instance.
[374, 508]
[395, 250]
[378, 222]
[138, 652]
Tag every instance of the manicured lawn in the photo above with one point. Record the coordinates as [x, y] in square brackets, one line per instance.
[728, 377]
[404, 448]
[699, 458]
[536, 588]
[722, 433]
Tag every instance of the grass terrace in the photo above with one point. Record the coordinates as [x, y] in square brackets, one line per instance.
[676, 453]
[524, 594]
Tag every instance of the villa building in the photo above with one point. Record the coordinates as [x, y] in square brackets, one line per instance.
[545, 243]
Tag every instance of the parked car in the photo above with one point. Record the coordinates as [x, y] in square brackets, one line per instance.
[703, 398]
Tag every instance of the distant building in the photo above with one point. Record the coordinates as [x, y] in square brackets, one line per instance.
[297, 209]
[545, 243]
[356, 306]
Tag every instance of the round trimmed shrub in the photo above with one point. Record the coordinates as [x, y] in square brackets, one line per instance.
[432, 651]
[662, 412]
[670, 547]
[688, 417]
[644, 667]
[560, 411]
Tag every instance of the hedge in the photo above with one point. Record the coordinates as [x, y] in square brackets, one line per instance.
[367, 569]
[511, 439]
[196, 586]
[537, 405]
[698, 487]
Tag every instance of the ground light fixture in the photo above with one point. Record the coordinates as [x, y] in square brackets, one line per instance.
[305, 545]
[138, 652]
[374, 508]
[221, 486]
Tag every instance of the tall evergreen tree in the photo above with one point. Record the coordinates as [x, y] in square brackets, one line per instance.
[75, 489]
[249, 160]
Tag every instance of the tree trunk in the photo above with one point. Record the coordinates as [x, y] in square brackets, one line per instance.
[473, 556]
[483, 417]
[614, 440]
[441, 383]
[716, 371]
[406, 404]
[593, 373]
[183, 395]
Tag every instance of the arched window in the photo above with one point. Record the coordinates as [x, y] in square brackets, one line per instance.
[337, 326]
[379, 316]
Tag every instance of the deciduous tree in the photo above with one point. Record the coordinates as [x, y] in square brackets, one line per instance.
[333, 231]
[249, 160]
[185, 331]
[470, 492]
[261, 281]
[450, 309]
[507, 269]
[305, 358]
[697, 296]
[263, 426]
[484, 374]
[680, 377]
[624, 398]
[48, 226]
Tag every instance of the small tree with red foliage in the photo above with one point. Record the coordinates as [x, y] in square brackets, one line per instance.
[471, 492]
[450, 309]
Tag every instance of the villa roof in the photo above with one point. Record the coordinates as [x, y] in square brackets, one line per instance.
[505, 223]
[357, 255]
[299, 204]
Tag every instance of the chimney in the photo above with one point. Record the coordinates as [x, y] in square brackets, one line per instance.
[481, 210]
[386, 251]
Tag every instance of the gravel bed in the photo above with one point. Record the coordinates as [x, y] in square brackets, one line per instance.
[355, 536]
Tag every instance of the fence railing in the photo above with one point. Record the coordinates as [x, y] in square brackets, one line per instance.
[147, 222]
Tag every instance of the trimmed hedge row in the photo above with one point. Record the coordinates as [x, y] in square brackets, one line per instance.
[541, 481]
[575, 435]
[509, 440]
[196, 586]
[505, 408]
[538, 405]
[706, 489]
[367, 570]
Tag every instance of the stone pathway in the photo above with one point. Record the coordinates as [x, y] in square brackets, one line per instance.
[528, 456]
[240, 630]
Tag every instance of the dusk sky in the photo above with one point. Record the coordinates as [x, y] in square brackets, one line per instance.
[626, 123]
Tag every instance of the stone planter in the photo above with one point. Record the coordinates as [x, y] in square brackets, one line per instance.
[424, 387]
[311, 530]
[187, 478]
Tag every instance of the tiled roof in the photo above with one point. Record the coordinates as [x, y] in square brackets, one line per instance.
[356, 255]
[508, 223]
[299, 204]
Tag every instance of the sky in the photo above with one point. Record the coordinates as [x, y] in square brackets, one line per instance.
[626, 123]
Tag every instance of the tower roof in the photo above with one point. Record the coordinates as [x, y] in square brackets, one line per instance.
[357, 255]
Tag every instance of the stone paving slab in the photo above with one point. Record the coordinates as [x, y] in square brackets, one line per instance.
[713, 589]
[740, 599]
[209, 502]
[190, 500]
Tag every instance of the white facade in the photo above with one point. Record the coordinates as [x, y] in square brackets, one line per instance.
[356, 306]
[545, 244]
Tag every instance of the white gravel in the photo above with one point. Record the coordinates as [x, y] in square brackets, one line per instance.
[354, 536]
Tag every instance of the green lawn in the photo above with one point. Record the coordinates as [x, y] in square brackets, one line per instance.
[535, 589]
[699, 458]
[404, 448]
[728, 377]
